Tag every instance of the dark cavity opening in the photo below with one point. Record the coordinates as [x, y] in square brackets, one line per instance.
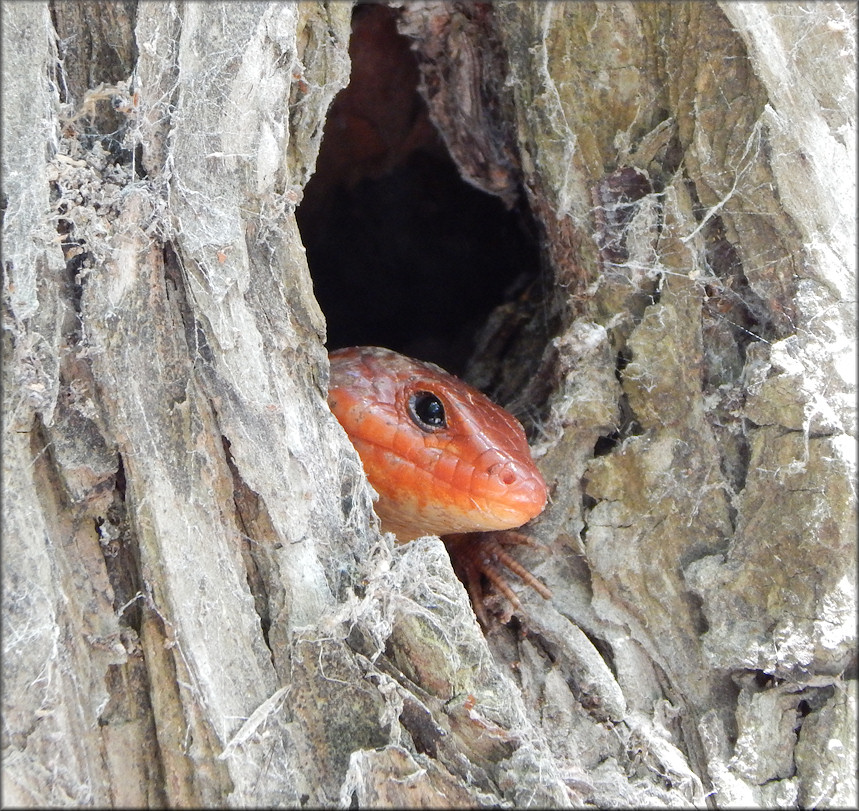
[404, 253]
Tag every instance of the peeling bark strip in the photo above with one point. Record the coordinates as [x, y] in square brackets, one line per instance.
[198, 608]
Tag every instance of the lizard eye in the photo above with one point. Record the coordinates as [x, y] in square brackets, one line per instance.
[427, 411]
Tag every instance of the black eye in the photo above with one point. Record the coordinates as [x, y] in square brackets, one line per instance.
[427, 411]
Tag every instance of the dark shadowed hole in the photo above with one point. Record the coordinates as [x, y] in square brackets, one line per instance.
[606, 444]
[403, 252]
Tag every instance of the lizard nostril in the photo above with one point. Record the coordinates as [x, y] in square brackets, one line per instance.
[506, 473]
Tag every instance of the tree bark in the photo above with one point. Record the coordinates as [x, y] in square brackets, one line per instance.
[198, 608]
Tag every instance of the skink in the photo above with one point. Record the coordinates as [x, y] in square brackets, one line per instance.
[444, 460]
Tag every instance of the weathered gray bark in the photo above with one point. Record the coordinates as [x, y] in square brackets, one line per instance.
[197, 607]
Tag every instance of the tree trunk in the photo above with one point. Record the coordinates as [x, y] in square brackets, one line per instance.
[198, 608]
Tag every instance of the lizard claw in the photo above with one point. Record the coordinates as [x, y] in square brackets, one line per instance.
[478, 555]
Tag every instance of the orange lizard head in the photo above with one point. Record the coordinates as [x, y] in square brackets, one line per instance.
[443, 457]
